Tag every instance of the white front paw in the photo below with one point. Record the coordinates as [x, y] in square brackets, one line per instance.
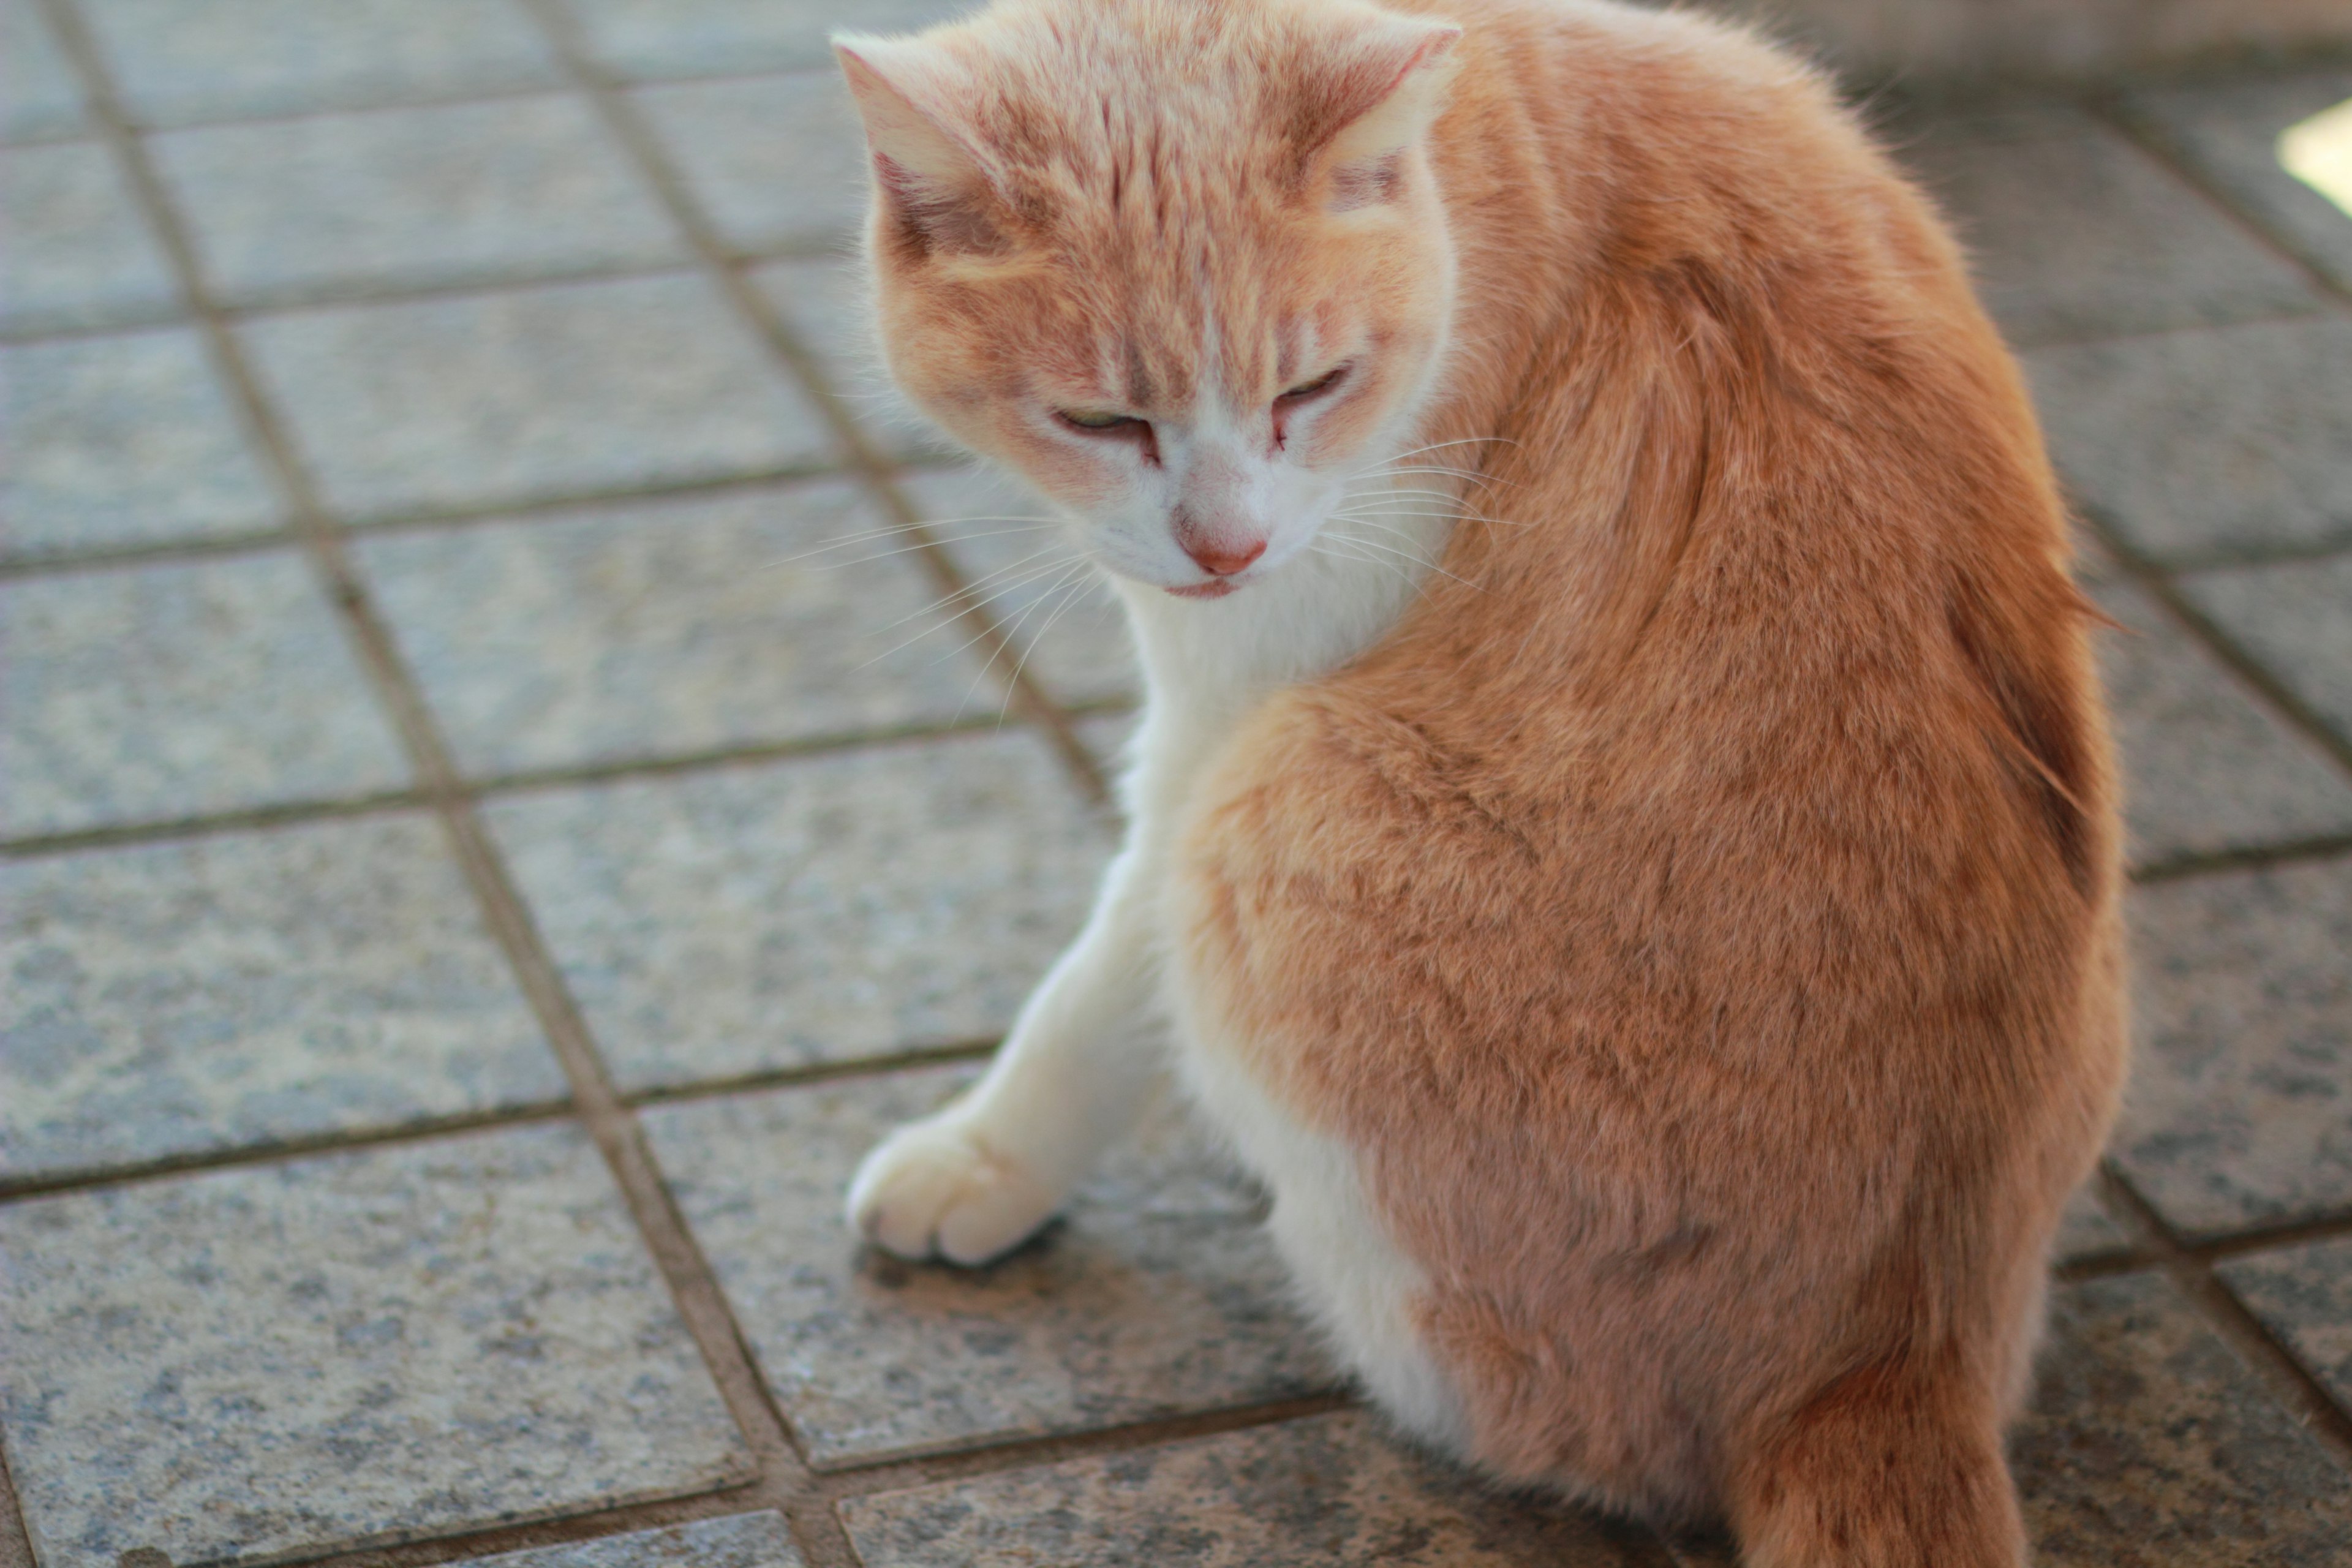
[933, 1188]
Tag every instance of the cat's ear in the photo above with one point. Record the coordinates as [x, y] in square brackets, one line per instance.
[1375, 99]
[935, 184]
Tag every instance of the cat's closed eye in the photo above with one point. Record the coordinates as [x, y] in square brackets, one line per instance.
[1321, 383]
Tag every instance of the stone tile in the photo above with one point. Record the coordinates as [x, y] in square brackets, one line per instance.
[2151, 1444]
[824, 300]
[2077, 233]
[720, 37]
[2206, 445]
[684, 624]
[2207, 766]
[169, 691]
[373, 1345]
[778, 161]
[2229, 132]
[1155, 1294]
[2086, 1230]
[1024, 567]
[78, 253]
[39, 97]
[738, 1540]
[1337, 1491]
[495, 399]
[819, 909]
[175, 63]
[121, 441]
[411, 199]
[171, 999]
[2239, 1108]
[2304, 1295]
[2297, 620]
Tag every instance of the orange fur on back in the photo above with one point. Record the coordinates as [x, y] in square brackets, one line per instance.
[1697, 912]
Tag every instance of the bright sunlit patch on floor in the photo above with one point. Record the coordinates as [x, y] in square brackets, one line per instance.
[2318, 151]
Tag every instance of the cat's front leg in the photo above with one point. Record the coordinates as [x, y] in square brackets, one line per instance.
[974, 1180]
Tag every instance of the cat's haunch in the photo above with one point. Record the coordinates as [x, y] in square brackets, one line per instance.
[1622, 837]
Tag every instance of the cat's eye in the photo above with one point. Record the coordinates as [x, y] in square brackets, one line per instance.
[1088, 419]
[1307, 389]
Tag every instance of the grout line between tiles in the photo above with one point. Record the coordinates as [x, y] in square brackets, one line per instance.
[2192, 1269]
[595, 1100]
[2180, 868]
[624, 119]
[15, 1539]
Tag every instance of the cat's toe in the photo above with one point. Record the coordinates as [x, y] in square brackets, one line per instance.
[932, 1189]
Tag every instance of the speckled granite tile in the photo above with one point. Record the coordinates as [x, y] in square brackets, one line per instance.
[2209, 444]
[700, 38]
[2303, 1294]
[682, 625]
[778, 161]
[171, 999]
[165, 691]
[1027, 569]
[2297, 620]
[175, 63]
[823, 300]
[121, 441]
[77, 253]
[39, 98]
[565, 389]
[2229, 132]
[370, 1345]
[1336, 1491]
[1155, 1295]
[411, 198]
[738, 1540]
[2239, 1107]
[2207, 765]
[2086, 1230]
[2149, 1445]
[821, 908]
[2075, 232]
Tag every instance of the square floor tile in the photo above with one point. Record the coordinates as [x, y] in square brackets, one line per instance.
[2076, 233]
[170, 692]
[364, 1346]
[824, 300]
[2149, 1445]
[658, 628]
[2304, 1295]
[79, 253]
[1155, 1294]
[2297, 620]
[1336, 1491]
[2207, 766]
[778, 161]
[720, 37]
[738, 1540]
[40, 96]
[175, 63]
[411, 199]
[2209, 444]
[567, 389]
[170, 999]
[121, 441]
[2239, 1107]
[1024, 566]
[2229, 132]
[819, 909]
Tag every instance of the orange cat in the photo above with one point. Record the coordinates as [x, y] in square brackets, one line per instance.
[1623, 831]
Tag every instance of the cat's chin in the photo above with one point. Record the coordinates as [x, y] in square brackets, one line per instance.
[1215, 589]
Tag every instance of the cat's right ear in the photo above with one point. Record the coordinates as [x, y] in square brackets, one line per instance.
[934, 186]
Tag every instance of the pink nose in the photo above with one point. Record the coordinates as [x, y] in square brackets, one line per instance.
[1221, 561]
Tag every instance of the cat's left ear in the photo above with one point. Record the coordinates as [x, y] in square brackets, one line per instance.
[931, 179]
[1373, 101]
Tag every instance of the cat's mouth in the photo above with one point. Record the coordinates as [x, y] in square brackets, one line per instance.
[1216, 588]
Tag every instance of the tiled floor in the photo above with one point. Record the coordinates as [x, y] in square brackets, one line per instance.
[496, 815]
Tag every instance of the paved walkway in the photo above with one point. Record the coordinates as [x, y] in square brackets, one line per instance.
[478, 867]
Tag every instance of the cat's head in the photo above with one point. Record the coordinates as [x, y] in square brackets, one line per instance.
[1180, 262]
